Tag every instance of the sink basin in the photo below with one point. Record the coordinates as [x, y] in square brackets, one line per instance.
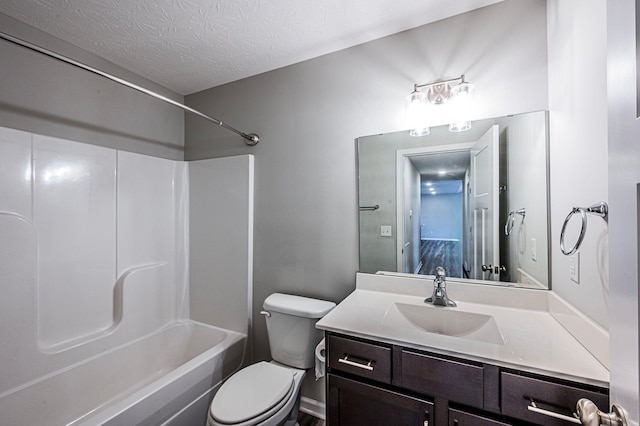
[450, 322]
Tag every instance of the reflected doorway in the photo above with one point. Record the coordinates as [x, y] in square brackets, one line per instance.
[441, 224]
[448, 209]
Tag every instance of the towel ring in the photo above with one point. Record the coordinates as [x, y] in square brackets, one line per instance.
[511, 218]
[600, 209]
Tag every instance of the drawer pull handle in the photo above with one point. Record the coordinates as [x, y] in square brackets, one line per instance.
[533, 407]
[346, 360]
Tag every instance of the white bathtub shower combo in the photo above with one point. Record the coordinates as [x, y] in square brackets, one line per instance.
[95, 272]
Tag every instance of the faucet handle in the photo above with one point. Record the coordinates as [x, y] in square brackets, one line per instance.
[440, 272]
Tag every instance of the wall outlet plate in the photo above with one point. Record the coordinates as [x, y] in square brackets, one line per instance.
[385, 231]
[533, 247]
[574, 267]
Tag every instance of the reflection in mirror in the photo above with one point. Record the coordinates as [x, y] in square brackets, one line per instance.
[475, 203]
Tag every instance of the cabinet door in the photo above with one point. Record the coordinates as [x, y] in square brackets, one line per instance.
[354, 403]
[460, 418]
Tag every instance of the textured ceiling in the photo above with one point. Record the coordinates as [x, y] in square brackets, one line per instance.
[192, 45]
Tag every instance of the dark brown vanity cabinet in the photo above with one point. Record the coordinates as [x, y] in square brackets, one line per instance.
[357, 403]
[371, 383]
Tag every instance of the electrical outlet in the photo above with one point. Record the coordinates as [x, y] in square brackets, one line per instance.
[385, 231]
[574, 267]
[533, 248]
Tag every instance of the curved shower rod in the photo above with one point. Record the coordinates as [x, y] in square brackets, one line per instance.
[250, 138]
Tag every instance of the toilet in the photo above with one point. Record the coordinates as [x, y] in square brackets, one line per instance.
[268, 393]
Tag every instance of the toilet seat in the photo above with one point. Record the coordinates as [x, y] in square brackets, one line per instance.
[252, 395]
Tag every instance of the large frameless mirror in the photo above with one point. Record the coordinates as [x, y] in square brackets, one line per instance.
[474, 202]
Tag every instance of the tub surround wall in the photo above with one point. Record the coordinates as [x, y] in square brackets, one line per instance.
[95, 259]
[93, 251]
[74, 203]
[42, 95]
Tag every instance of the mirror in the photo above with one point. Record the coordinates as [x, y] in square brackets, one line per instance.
[474, 202]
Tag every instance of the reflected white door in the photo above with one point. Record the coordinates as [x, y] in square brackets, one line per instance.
[411, 218]
[483, 202]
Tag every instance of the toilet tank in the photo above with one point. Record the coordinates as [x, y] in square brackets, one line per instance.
[291, 322]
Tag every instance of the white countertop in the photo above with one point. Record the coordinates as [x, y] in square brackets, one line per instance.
[534, 339]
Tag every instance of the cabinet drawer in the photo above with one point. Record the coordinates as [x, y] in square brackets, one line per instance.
[517, 392]
[360, 358]
[353, 403]
[452, 380]
[460, 418]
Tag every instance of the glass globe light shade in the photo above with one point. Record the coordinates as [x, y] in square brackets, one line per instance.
[462, 89]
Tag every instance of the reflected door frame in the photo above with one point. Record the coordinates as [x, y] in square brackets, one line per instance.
[401, 155]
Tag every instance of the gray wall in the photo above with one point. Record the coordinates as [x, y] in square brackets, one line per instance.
[45, 96]
[578, 153]
[441, 216]
[309, 114]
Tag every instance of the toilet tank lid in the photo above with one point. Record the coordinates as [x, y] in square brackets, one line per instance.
[304, 307]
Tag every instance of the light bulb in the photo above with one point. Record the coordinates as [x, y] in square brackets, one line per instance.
[460, 126]
[419, 131]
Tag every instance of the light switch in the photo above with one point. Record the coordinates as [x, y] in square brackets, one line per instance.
[385, 231]
[574, 267]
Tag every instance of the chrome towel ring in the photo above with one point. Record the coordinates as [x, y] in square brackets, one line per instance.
[601, 209]
[511, 218]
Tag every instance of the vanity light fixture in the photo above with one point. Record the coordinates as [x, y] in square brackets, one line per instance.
[437, 93]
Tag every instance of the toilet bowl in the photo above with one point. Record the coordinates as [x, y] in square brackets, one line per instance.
[262, 394]
[268, 393]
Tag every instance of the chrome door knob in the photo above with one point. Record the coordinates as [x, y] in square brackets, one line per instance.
[590, 415]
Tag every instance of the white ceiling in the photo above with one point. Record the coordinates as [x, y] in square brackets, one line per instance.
[192, 45]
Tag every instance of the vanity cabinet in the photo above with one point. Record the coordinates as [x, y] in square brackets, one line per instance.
[375, 383]
[357, 403]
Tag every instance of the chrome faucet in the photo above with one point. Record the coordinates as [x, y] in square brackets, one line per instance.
[439, 296]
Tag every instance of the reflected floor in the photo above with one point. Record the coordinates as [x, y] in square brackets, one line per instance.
[445, 253]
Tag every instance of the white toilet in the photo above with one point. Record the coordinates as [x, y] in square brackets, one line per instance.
[268, 393]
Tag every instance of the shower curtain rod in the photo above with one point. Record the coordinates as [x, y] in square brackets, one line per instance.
[250, 138]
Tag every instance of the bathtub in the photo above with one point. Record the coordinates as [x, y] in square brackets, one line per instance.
[165, 378]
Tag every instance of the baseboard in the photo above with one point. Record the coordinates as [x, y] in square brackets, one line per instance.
[312, 407]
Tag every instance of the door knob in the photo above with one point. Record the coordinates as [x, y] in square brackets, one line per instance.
[493, 269]
[589, 414]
